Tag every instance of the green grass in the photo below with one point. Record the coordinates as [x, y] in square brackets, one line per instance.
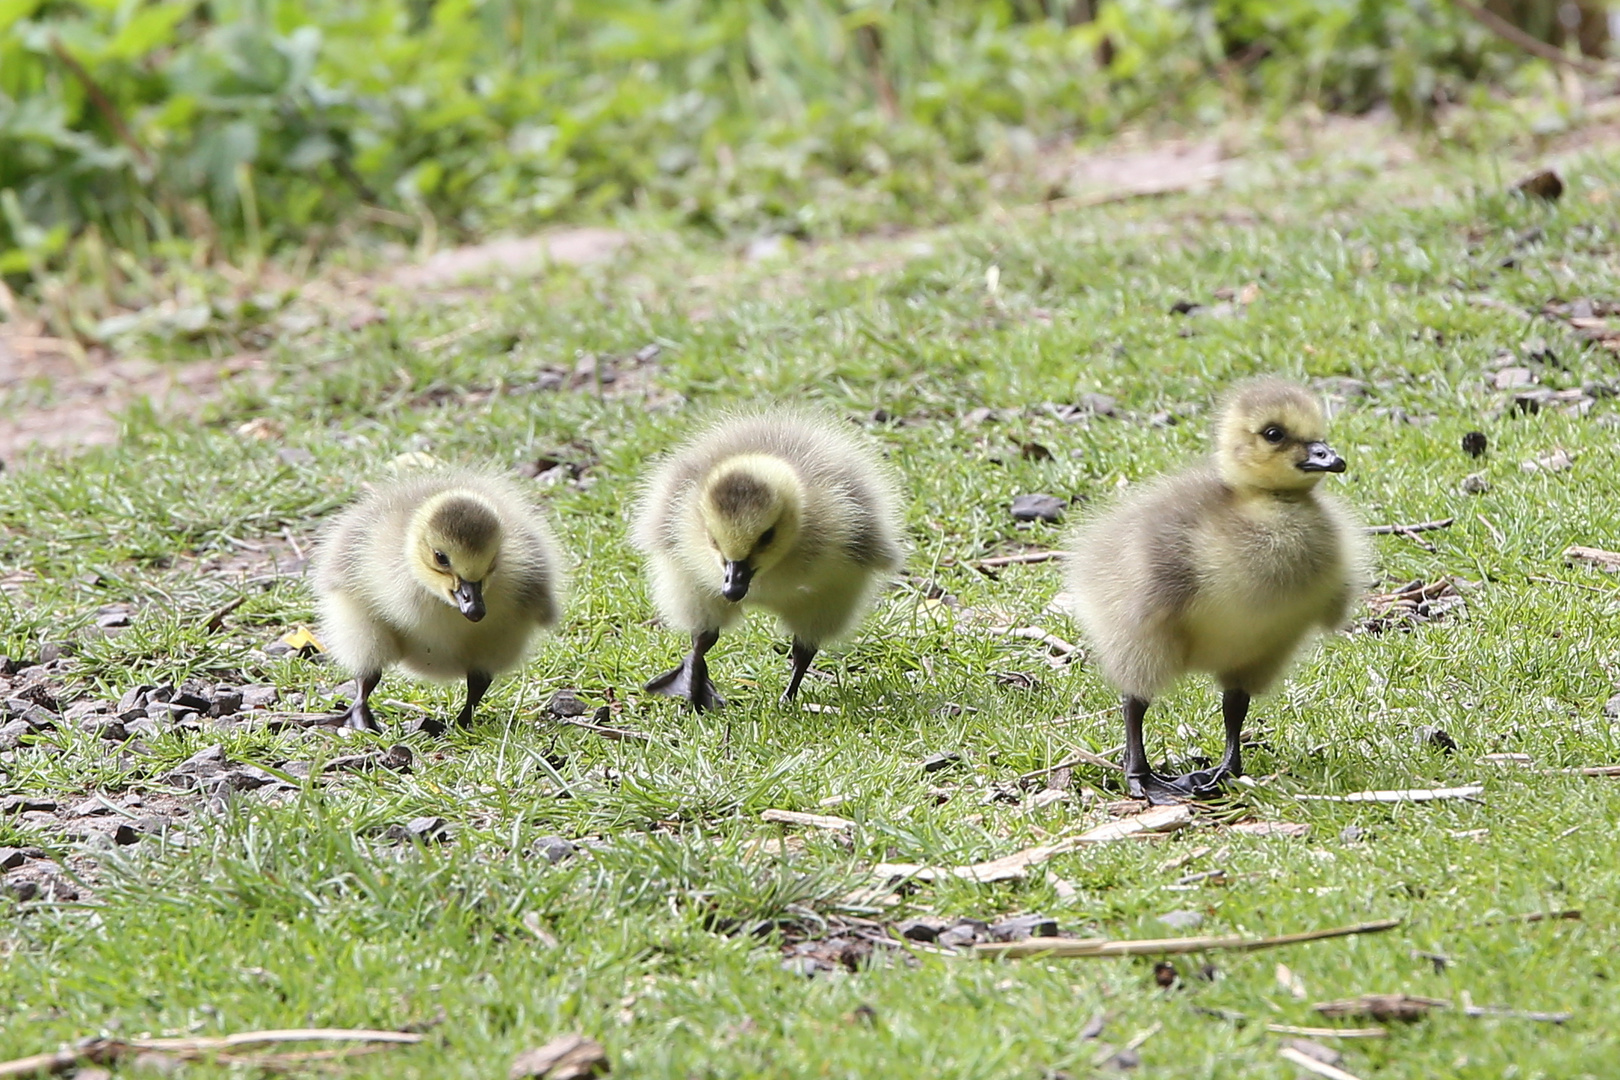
[293, 911]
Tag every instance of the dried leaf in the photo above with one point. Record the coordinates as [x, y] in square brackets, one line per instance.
[1381, 1007]
[813, 821]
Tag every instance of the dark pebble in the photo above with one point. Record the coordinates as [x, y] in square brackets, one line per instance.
[35, 716]
[1038, 508]
[11, 858]
[397, 757]
[923, 929]
[134, 698]
[1542, 184]
[190, 699]
[555, 848]
[106, 727]
[933, 763]
[23, 804]
[21, 890]
[163, 693]
[1438, 738]
[225, 703]
[566, 703]
[126, 834]
[52, 651]
[1024, 926]
[1165, 974]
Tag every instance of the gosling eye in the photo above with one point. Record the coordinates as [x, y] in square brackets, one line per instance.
[441, 558]
[767, 536]
[1273, 433]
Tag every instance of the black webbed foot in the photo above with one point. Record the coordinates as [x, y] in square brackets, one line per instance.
[1160, 790]
[359, 718]
[679, 683]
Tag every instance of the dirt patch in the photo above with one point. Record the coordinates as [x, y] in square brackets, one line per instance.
[57, 396]
[512, 255]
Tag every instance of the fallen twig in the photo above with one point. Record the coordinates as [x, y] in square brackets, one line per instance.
[1310, 1064]
[1328, 1033]
[1035, 633]
[216, 621]
[1532, 45]
[1403, 795]
[104, 104]
[1078, 947]
[1157, 820]
[1593, 770]
[1421, 526]
[1532, 916]
[1502, 1011]
[1571, 584]
[1022, 559]
[614, 733]
[105, 1051]
[814, 821]
[1606, 560]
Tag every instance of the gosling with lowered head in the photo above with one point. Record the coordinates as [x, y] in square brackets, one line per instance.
[779, 509]
[448, 574]
[1224, 568]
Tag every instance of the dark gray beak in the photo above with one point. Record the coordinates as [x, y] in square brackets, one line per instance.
[470, 599]
[1319, 457]
[738, 575]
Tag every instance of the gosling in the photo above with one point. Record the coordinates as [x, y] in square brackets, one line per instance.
[1224, 568]
[448, 574]
[782, 510]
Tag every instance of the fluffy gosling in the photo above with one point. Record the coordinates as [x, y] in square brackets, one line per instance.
[447, 574]
[1223, 568]
[781, 510]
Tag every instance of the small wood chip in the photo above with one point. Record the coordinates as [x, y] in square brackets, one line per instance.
[1381, 1007]
[1532, 916]
[812, 821]
[1505, 1013]
[1270, 828]
[1023, 559]
[1421, 526]
[567, 1057]
[1310, 1064]
[1402, 795]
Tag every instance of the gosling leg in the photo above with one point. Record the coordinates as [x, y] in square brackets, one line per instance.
[1234, 710]
[359, 715]
[691, 679]
[1141, 782]
[801, 655]
[477, 685]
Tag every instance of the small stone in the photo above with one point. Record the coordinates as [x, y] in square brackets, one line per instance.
[1020, 927]
[1165, 974]
[567, 1057]
[1511, 378]
[35, 716]
[566, 703]
[52, 651]
[1038, 508]
[294, 455]
[1611, 708]
[1475, 484]
[1098, 404]
[81, 709]
[126, 834]
[141, 725]
[422, 830]
[1541, 184]
[398, 758]
[13, 733]
[105, 727]
[965, 932]
[933, 763]
[1352, 834]
[25, 804]
[926, 929]
[163, 693]
[113, 620]
[21, 890]
[1555, 460]
[225, 703]
[190, 699]
[1182, 920]
[259, 697]
[1475, 444]
[11, 858]
[555, 849]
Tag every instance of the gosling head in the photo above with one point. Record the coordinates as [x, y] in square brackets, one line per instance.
[750, 507]
[1271, 437]
[452, 544]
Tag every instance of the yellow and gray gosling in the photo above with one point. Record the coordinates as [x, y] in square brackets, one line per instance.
[1223, 568]
[782, 510]
[447, 574]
